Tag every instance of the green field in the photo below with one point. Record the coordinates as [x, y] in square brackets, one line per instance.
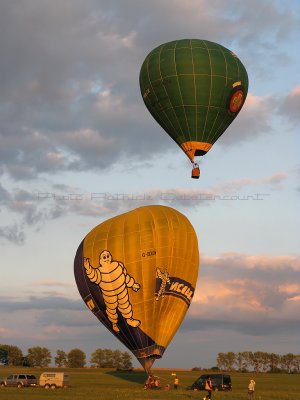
[103, 384]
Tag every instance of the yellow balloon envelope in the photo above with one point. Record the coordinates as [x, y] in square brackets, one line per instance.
[137, 273]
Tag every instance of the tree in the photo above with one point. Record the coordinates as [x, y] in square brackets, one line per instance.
[297, 364]
[287, 362]
[26, 362]
[97, 358]
[239, 361]
[39, 356]
[244, 361]
[260, 361]
[3, 356]
[117, 359]
[230, 360]
[126, 360]
[225, 361]
[76, 358]
[109, 358]
[60, 358]
[273, 362]
[106, 358]
[247, 360]
[221, 361]
[14, 354]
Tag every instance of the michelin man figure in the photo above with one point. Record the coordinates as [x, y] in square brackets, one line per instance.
[114, 281]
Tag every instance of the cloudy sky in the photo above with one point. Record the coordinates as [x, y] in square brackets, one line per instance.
[78, 146]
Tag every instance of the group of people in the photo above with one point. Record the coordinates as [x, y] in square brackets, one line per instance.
[153, 382]
[209, 388]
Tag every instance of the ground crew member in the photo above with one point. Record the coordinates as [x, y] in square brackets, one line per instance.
[176, 382]
[251, 388]
[208, 387]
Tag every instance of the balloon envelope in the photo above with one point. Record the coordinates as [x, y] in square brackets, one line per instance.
[194, 89]
[137, 273]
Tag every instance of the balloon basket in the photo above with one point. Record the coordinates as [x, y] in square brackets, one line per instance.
[195, 173]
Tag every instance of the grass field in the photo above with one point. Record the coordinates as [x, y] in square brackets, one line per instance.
[103, 384]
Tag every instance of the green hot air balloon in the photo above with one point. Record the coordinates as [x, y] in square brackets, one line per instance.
[194, 89]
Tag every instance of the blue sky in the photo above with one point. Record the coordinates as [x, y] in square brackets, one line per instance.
[75, 135]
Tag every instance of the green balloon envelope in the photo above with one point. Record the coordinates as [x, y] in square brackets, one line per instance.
[194, 89]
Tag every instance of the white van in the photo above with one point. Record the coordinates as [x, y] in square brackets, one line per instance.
[53, 380]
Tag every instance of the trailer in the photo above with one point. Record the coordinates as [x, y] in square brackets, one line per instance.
[54, 380]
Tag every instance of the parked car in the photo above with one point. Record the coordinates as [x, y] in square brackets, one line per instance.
[53, 380]
[219, 382]
[19, 380]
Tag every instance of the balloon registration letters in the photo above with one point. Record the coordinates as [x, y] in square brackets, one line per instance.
[137, 273]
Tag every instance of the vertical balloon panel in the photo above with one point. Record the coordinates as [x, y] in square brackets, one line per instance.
[137, 273]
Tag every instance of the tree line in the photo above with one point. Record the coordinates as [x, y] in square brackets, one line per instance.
[258, 361]
[41, 357]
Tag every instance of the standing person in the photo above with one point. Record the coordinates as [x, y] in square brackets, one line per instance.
[149, 384]
[176, 382]
[157, 383]
[208, 387]
[251, 389]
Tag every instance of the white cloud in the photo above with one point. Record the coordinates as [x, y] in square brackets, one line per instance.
[290, 105]
[247, 293]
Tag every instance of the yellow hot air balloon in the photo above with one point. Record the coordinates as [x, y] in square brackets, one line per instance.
[137, 273]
